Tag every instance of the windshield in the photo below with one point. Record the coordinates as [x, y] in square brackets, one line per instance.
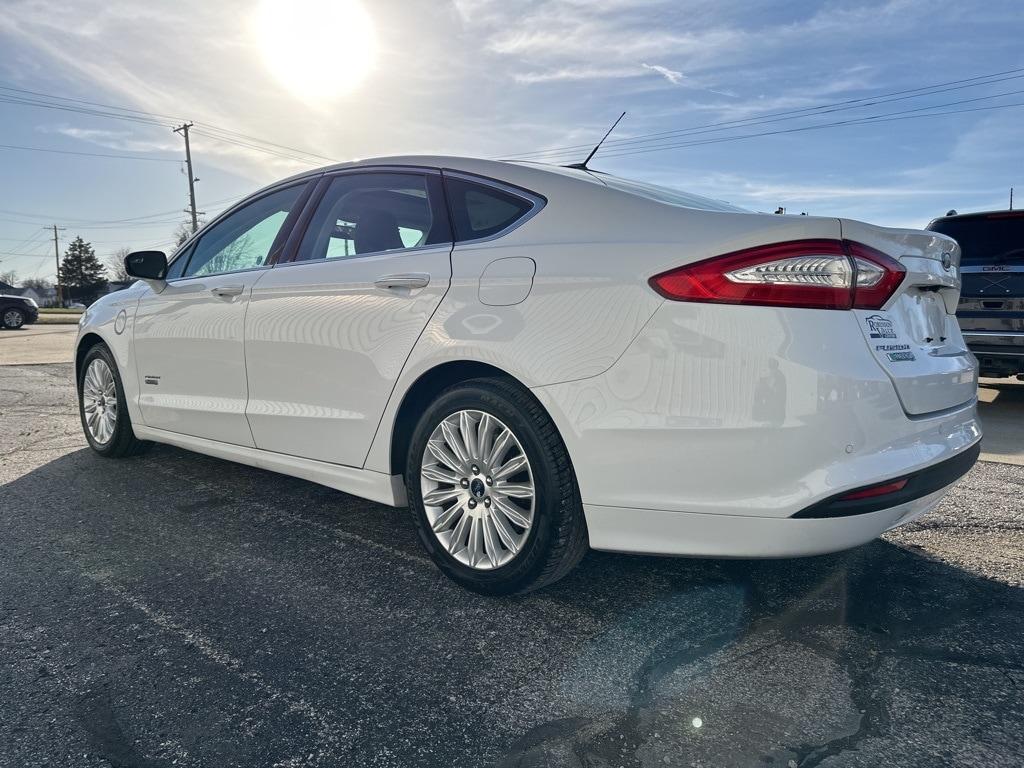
[998, 237]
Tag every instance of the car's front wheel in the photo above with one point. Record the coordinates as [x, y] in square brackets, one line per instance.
[492, 490]
[101, 404]
[13, 318]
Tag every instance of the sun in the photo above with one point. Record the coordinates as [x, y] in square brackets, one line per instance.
[317, 49]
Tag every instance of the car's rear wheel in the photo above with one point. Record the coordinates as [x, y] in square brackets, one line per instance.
[101, 405]
[492, 490]
[13, 318]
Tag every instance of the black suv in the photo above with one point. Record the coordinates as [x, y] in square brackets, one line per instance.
[991, 311]
[16, 311]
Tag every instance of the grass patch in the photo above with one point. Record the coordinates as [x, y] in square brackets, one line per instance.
[59, 311]
[56, 318]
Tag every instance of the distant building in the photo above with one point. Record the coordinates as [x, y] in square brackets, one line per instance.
[44, 297]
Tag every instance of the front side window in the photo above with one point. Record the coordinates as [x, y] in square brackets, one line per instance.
[177, 267]
[243, 240]
[480, 210]
[364, 213]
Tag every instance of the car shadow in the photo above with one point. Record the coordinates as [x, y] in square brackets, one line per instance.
[628, 661]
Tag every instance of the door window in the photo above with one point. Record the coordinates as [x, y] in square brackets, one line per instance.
[177, 267]
[363, 213]
[244, 239]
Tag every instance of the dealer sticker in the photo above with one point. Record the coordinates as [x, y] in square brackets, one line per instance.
[897, 353]
[880, 327]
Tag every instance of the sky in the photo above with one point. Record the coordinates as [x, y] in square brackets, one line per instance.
[345, 79]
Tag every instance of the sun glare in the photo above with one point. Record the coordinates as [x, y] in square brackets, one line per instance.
[317, 49]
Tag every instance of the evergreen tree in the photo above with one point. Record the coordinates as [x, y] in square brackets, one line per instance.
[81, 274]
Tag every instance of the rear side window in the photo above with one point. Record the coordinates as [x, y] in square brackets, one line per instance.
[994, 239]
[480, 210]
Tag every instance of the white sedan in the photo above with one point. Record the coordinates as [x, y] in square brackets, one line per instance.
[538, 360]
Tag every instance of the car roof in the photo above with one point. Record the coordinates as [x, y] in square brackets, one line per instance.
[1003, 214]
[531, 175]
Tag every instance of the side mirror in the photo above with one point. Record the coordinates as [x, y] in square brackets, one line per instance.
[150, 266]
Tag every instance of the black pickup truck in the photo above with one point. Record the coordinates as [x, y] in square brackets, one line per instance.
[991, 310]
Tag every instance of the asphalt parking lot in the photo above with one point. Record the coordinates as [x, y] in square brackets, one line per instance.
[175, 609]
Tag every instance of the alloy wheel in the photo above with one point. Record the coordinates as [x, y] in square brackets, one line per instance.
[99, 401]
[478, 489]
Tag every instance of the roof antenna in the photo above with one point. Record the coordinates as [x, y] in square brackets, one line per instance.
[583, 166]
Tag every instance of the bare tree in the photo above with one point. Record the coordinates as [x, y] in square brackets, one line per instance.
[38, 284]
[184, 231]
[115, 266]
[10, 277]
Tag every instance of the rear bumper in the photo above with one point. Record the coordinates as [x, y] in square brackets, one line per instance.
[657, 532]
[998, 352]
[918, 484]
[828, 526]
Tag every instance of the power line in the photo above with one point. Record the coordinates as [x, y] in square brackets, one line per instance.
[78, 110]
[45, 217]
[89, 103]
[266, 150]
[236, 134]
[912, 93]
[25, 255]
[856, 121]
[98, 109]
[88, 154]
[83, 222]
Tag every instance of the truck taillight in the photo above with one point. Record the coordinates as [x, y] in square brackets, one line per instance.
[816, 274]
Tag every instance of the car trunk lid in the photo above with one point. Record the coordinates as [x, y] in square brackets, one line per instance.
[915, 336]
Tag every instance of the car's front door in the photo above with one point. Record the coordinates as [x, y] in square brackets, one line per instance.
[328, 333]
[188, 338]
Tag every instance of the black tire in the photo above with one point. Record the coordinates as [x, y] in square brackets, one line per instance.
[122, 442]
[557, 538]
[13, 318]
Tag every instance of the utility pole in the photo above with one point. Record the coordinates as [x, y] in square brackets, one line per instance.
[1011, 198]
[56, 256]
[183, 130]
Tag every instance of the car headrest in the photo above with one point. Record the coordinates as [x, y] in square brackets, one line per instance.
[377, 230]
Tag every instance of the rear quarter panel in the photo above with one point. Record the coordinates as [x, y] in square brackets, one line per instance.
[595, 249]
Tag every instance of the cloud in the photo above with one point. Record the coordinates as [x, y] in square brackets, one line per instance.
[671, 75]
[574, 73]
[120, 140]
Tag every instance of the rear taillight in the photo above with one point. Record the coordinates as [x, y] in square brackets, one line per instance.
[817, 274]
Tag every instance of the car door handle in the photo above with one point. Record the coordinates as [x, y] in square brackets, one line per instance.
[225, 291]
[410, 281]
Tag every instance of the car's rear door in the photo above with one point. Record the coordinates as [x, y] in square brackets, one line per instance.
[328, 332]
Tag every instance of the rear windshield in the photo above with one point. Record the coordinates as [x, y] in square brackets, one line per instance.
[994, 239]
[668, 195]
